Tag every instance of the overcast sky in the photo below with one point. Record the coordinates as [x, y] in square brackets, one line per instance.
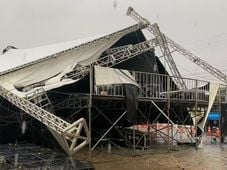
[198, 25]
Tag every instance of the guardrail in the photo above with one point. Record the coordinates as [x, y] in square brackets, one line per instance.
[158, 86]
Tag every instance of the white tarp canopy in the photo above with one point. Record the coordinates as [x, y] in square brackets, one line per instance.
[213, 92]
[53, 63]
[110, 76]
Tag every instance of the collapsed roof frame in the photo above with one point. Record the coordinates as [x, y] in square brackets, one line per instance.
[65, 133]
[109, 60]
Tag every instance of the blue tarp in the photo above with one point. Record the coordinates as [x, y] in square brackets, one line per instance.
[214, 116]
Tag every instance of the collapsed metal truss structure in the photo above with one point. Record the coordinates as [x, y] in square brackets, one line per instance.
[67, 134]
[157, 120]
[104, 107]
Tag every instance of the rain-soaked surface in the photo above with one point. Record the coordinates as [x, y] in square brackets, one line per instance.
[31, 157]
[210, 157]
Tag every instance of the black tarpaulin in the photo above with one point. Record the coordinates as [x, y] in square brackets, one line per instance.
[131, 102]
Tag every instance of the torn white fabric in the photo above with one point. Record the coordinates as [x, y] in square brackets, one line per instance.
[48, 73]
[17, 57]
[110, 76]
[64, 63]
[213, 92]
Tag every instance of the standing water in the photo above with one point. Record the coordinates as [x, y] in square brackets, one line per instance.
[210, 157]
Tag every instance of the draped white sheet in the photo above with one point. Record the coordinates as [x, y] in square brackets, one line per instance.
[109, 76]
[50, 71]
[213, 92]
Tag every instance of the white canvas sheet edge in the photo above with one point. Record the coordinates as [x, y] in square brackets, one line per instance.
[30, 56]
[213, 92]
[110, 76]
[8, 81]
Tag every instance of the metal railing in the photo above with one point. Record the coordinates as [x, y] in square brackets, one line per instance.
[158, 86]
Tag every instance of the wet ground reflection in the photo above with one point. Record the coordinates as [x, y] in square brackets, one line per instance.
[210, 157]
[182, 157]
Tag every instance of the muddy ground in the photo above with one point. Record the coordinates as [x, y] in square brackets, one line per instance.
[211, 156]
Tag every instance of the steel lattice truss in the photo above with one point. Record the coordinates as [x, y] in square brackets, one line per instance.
[116, 56]
[154, 29]
[67, 134]
[165, 42]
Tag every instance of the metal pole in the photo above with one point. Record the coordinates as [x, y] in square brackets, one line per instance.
[196, 107]
[134, 139]
[220, 119]
[90, 104]
[161, 111]
[108, 130]
[168, 107]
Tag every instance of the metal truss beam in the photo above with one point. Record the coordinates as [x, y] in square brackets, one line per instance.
[154, 29]
[165, 42]
[66, 134]
[119, 55]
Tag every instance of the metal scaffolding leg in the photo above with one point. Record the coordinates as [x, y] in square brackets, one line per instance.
[196, 108]
[159, 131]
[108, 130]
[162, 112]
[190, 136]
[66, 134]
[90, 105]
[111, 123]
